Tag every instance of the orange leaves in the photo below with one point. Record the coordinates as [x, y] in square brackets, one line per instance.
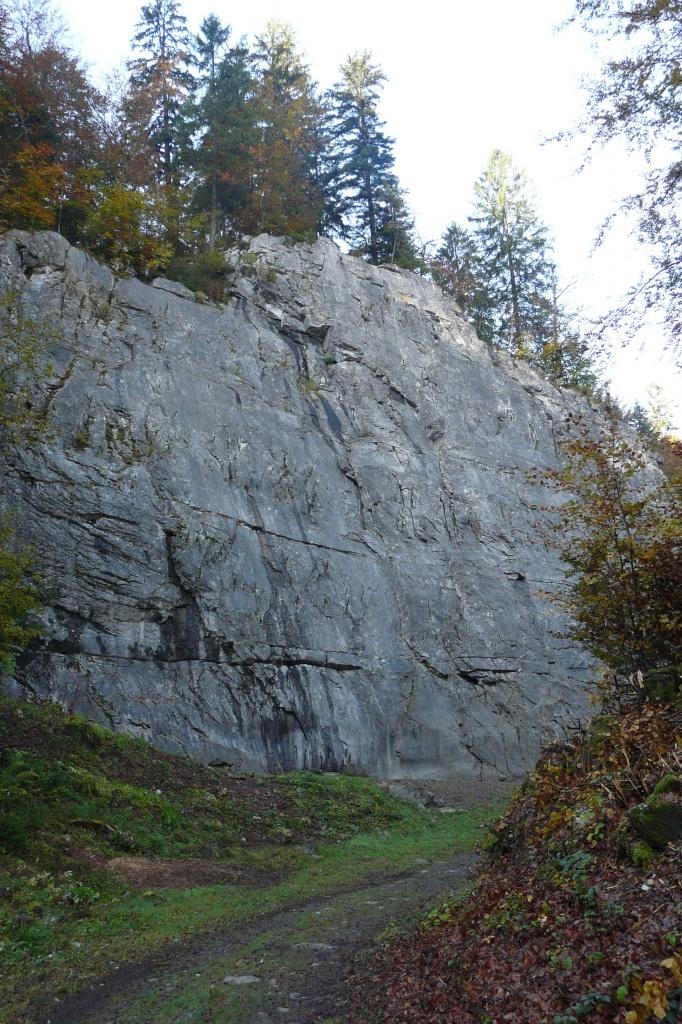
[125, 227]
[651, 998]
[32, 187]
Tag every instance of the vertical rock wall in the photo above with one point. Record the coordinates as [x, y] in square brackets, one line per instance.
[295, 530]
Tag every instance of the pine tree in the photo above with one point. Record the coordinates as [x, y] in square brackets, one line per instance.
[514, 257]
[284, 196]
[362, 154]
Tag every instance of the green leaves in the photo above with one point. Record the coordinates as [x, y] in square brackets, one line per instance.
[19, 596]
[513, 256]
[23, 421]
[620, 537]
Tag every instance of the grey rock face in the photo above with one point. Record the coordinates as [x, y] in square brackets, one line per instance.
[296, 530]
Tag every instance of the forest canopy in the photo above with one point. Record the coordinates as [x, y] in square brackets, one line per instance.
[205, 138]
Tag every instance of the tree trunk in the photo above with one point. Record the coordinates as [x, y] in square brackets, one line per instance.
[369, 192]
[516, 313]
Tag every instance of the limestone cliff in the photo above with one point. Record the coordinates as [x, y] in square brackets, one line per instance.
[294, 530]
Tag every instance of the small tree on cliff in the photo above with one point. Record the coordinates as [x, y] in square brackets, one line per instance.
[620, 535]
[22, 422]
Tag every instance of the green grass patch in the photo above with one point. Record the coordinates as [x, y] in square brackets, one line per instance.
[73, 795]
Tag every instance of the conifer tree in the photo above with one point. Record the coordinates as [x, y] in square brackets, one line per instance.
[210, 44]
[362, 153]
[514, 257]
[226, 132]
[162, 72]
[284, 196]
[395, 227]
[456, 267]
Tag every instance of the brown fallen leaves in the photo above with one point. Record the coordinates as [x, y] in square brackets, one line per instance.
[562, 927]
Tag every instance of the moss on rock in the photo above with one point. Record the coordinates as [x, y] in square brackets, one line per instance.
[664, 684]
[641, 855]
[670, 783]
[658, 821]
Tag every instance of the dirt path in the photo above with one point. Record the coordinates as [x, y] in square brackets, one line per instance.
[287, 966]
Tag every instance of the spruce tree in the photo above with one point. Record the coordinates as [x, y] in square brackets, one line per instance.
[395, 227]
[362, 154]
[457, 268]
[284, 196]
[162, 72]
[225, 127]
[514, 258]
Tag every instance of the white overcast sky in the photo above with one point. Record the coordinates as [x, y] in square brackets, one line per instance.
[463, 78]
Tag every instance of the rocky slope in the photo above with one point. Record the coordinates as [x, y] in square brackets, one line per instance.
[295, 530]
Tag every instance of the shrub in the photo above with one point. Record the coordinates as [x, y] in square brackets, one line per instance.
[19, 596]
[620, 535]
[205, 272]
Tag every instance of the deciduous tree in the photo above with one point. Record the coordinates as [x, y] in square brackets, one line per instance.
[637, 97]
[50, 123]
[620, 535]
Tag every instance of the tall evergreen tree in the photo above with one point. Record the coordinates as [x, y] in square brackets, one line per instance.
[514, 257]
[395, 227]
[457, 268]
[226, 129]
[284, 196]
[210, 44]
[362, 152]
[162, 72]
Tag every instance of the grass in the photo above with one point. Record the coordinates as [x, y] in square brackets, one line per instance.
[309, 387]
[73, 796]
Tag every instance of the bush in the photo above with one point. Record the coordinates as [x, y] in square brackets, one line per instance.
[204, 272]
[19, 596]
[620, 535]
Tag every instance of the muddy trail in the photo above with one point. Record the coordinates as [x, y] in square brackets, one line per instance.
[286, 966]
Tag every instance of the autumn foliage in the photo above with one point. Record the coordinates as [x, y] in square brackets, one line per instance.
[572, 920]
[620, 534]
